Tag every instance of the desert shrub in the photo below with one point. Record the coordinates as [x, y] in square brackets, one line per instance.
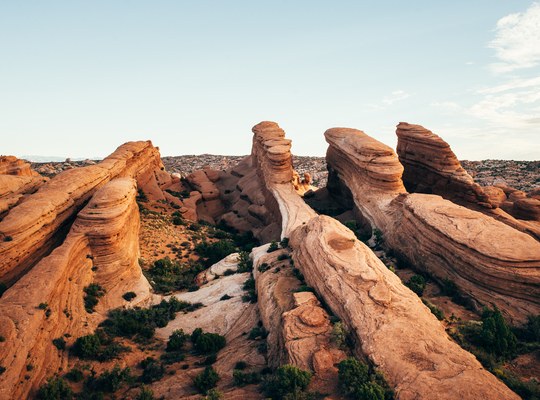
[87, 347]
[532, 328]
[43, 306]
[206, 380]
[263, 267]
[60, 343]
[152, 370]
[528, 390]
[141, 196]
[91, 298]
[244, 262]
[2, 369]
[145, 394]
[356, 381]
[273, 246]
[378, 237]
[283, 257]
[8, 238]
[208, 343]
[213, 394]
[143, 322]
[496, 336]
[214, 252]
[339, 335]
[167, 276]
[109, 381]
[75, 374]
[286, 379]
[128, 296]
[176, 340]
[258, 333]
[56, 388]
[98, 346]
[284, 243]
[434, 309]
[245, 378]
[417, 283]
[241, 365]
[225, 297]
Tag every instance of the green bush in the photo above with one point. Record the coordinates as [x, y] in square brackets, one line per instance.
[244, 262]
[167, 276]
[128, 296]
[245, 378]
[152, 370]
[284, 242]
[273, 247]
[258, 333]
[339, 335]
[91, 298]
[75, 374]
[98, 346]
[216, 251]
[213, 394]
[60, 343]
[357, 382]
[496, 335]
[176, 340]
[286, 379]
[208, 343]
[55, 389]
[143, 322]
[417, 284]
[206, 380]
[109, 381]
[145, 394]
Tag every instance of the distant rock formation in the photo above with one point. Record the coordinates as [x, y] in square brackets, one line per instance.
[490, 261]
[10, 165]
[430, 166]
[104, 236]
[38, 224]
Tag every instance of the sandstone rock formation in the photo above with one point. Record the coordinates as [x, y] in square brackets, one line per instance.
[362, 291]
[17, 180]
[101, 247]
[39, 224]
[488, 260]
[432, 167]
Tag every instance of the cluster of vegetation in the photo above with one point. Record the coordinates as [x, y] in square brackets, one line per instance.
[434, 309]
[417, 283]
[128, 296]
[212, 252]
[153, 370]
[249, 287]
[358, 381]
[242, 378]
[339, 335]
[273, 247]
[258, 332]
[184, 194]
[109, 381]
[245, 264]
[494, 342]
[207, 343]
[287, 382]
[97, 346]
[206, 380]
[141, 196]
[142, 322]
[55, 388]
[178, 219]
[167, 276]
[91, 297]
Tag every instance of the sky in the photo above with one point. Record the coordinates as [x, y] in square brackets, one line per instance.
[79, 78]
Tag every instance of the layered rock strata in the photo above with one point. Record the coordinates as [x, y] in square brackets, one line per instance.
[37, 225]
[418, 359]
[371, 300]
[430, 166]
[47, 303]
[490, 261]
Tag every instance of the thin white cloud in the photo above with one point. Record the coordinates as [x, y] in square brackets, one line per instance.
[395, 96]
[517, 41]
[512, 85]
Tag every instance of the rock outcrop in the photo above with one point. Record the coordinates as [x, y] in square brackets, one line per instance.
[47, 303]
[17, 180]
[418, 359]
[259, 188]
[490, 261]
[361, 291]
[430, 166]
[39, 224]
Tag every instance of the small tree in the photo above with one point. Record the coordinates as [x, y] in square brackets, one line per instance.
[206, 380]
[177, 340]
[417, 284]
[55, 389]
[497, 337]
[286, 380]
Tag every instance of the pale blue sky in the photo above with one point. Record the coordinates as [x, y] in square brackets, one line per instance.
[78, 78]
